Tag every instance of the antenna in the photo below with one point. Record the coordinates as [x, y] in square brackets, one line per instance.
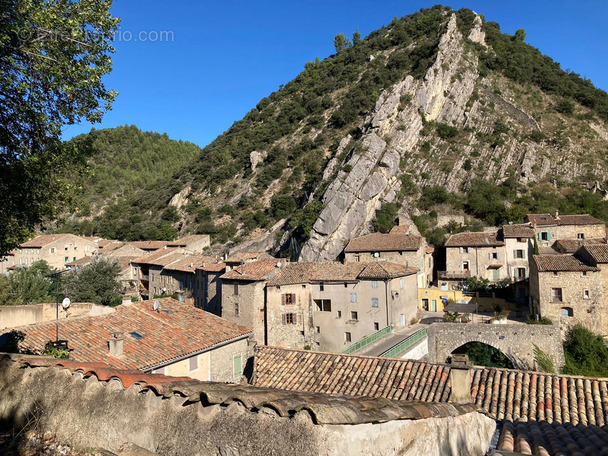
[156, 306]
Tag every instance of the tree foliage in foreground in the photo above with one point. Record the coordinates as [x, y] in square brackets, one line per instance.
[31, 285]
[586, 353]
[53, 55]
[95, 282]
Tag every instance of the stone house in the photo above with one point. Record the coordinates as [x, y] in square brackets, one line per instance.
[173, 271]
[550, 228]
[571, 289]
[331, 305]
[399, 247]
[56, 249]
[519, 248]
[243, 294]
[176, 340]
[479, 254]
[210, 286]
[7, 262]
[239, 258]
[149, 246]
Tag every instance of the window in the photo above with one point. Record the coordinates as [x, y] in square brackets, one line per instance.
[324, 305]
[401, 283]
[303, 286]
[580, 235]
[354, 315]
[52, 249]
[236, 309]
[521, 273]
[65, 260]
[193, 363]
[544, 236]
[586, 294]
[494, 256]
[519, 254]
[374, 284]
[465, 265]
[321, 286]
[86, 248]
[567, 312]
[345, 285]
[236, 289]
[584, 273]
[73, 258]
[521, 240]
[376, 326]
[318, 329]
[237, 369]
[339, 314]
[556, 294]
[75, 248]
[288, 299]
[374, 302]
[347, 337]
[496, 274]
[65, 248]
[353, 297]
[289, 319]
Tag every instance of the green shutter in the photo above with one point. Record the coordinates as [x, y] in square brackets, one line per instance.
[236, 366]
[539, 237]
[548, 236]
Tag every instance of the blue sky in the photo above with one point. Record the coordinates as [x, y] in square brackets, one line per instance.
[221, 58]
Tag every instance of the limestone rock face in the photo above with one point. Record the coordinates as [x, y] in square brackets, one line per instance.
[255, 158]
[180, 199]
[352, 199]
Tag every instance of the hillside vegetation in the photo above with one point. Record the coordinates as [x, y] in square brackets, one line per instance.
[516, 134]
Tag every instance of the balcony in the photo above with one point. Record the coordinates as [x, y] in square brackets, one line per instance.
[453, 275]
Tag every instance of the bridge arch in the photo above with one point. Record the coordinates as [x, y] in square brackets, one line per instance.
[515, 341]
[494, 357]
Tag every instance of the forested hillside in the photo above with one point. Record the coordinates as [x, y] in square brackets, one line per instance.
[436, 113]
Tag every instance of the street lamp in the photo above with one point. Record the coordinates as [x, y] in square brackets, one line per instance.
[65, 304]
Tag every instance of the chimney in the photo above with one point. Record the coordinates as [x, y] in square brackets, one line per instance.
[556, 215]
[460, 379]
[117, 344]
[126, 300]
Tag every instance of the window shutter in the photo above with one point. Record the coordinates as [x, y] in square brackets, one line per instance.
[548, 236]
[283, 299]
[514, 253]
[461, 250]
[539, 237]
[284, 318]
[489, 256]
[523, 253]
[498, 256]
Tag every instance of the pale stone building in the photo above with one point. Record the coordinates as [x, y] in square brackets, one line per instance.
[398, 247]
[332, 305]
[550, 228]
[479, 254]
[570, 289]
[194, 243]
[56, 249]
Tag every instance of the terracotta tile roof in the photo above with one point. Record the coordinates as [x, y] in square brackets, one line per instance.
[379, 242]
[184, 241]
[400, 229]
[599, 252]
[237, 257]
[543, 438]
[80, 261]
[503, 394]
[45, 239]
[518, 231]
[149, 245]
[157, 257]
[477, 239]
[189, 263]
[578, 219]
[323, 409]
[567, 263]
[384, 270]
[254, 271]
[572, 245]
[106, 245]
[175, 331]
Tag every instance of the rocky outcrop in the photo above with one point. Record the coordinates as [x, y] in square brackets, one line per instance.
[180, 199]
[393, 131]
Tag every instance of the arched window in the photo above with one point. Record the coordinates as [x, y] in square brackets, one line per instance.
[567, 312]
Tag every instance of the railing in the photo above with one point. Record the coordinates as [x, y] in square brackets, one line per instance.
[454, 275]
[367, 340]
[405, 344]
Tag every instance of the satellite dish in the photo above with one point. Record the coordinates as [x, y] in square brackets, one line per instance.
[66, 303]
[156, 305]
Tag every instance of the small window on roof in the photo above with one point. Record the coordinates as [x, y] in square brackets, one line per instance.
[136, 335]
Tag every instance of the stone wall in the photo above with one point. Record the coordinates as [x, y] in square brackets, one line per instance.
[479, 259]
[249, 298]
[64, 250]
[569, 232]
[282, 332]
[89, 413]
[13, 316]
[582, 297]
[222, 361]
[516, 341]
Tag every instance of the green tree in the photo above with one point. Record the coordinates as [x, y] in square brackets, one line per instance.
[386, 218]
[96, 282]
[28, 285]
[53, 55]
[341, 42]
[586, 353]
[356, 37]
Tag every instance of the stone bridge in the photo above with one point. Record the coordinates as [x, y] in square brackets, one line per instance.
[516, 341]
